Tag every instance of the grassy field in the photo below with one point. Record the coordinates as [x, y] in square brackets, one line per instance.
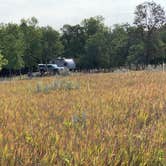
[95, 120]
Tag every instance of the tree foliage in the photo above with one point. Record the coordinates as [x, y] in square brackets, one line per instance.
[91, 43]
[150, 17]
[3, 61]
[51, 44]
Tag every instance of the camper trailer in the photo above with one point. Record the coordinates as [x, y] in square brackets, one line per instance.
[64, 62]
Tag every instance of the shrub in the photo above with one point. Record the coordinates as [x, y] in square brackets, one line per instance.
[56, 85]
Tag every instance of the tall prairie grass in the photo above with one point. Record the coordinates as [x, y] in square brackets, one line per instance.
[111, 119]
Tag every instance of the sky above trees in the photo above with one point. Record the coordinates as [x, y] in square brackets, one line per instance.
[56, 13]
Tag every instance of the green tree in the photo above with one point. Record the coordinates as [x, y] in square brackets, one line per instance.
[84, 42]
[97, 44]
[74, 39]
[32, 38]
[136, 54]
[136, 48]
[161, 58]
[149, 17]
[119, 45]
[12, 46]
[3, 61]
[51, 45]
[97, 52]
[93, 25]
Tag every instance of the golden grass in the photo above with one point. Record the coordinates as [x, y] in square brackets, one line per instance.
[111, 119]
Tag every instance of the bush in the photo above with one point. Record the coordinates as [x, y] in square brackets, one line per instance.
[56, 85]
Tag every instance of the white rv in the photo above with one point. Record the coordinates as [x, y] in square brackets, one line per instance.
[64, 62]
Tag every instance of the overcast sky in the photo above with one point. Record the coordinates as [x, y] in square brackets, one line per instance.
[56, 13]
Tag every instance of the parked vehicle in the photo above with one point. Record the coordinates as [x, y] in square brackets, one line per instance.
[51, 69]
[64, 62]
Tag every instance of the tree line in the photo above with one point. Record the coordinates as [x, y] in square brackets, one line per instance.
[92, 44]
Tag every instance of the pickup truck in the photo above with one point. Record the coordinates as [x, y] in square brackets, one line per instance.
[49, 68]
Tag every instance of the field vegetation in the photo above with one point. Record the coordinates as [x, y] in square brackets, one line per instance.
[84, 119]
